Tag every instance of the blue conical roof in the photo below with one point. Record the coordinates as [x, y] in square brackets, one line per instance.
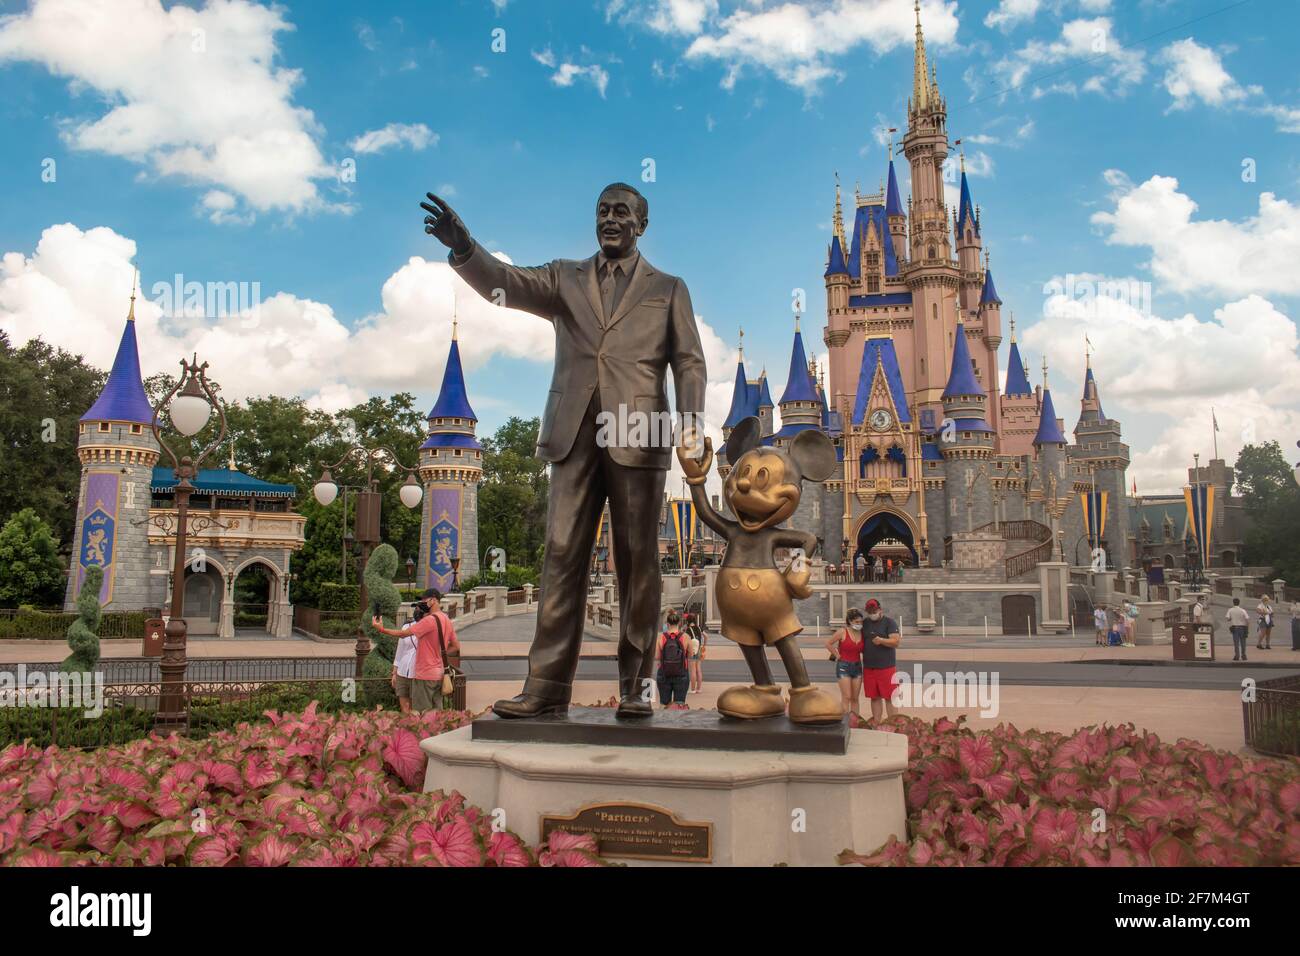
[452, 401]
[1049, 431]
[1017, 381]
[1090, 394]
[741, 407]
[961, 380]
[764, 396]
[799, 386]
[893, 205]
[123, 398]
[990, 293]
[966, 208]
[835, 264]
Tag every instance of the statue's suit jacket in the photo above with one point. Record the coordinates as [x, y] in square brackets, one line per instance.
[623, 359]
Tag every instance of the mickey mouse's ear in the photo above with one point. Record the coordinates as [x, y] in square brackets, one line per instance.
[814, 453]
[746, 435]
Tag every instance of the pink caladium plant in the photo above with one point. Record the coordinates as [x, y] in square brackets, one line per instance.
[301, 789]
[1102, 796]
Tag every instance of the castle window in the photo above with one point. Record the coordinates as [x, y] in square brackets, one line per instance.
[873, 284]
[932, 253]
[104, 427]
[457, 452]
[136, 429]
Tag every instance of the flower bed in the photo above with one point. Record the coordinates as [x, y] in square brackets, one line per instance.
[1103, 796]
[301, 789]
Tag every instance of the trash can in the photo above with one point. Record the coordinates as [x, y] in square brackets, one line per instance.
[154, 633]
[1193, 642]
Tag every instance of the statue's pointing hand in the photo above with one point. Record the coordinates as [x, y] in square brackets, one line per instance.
[444, 225]
[696, 469]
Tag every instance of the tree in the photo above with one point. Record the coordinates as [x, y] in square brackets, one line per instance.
[512, 498]
[31, 571]
[44, 391]
[1272, 502]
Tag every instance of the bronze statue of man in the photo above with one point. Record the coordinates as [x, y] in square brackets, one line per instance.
[620, 324]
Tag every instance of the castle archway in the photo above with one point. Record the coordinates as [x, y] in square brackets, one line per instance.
[890, 530]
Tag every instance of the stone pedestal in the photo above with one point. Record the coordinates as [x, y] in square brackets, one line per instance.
[762, 807]
[1150, 625]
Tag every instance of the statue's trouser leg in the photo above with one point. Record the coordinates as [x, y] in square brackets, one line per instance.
[756, 660]
[635, 498]
[792, 658]
[577, 498]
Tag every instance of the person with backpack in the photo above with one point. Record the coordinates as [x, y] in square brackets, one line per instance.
[672, 653]
[698, 639]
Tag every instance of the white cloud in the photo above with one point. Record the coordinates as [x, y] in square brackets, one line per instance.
[1169, 372]
[798, 42]
[1083, 42]
[1010, 13]
[1254, 255]
[566, 73]
[415, 135]
[192, 93]
[1196, 73]
[72, 292]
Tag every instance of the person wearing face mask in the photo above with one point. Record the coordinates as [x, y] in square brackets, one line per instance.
[845, 648]
[880, 638]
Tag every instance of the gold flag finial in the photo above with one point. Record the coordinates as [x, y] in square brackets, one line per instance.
[135, 281]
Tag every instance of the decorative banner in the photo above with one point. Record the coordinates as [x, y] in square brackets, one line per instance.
[99, 530]
[683, 511]
[1094, 516]
[444, 535]
[1200, 508]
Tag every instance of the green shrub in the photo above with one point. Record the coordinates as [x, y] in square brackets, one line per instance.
[340, 597]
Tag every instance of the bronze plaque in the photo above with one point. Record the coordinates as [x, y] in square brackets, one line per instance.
[638, 831]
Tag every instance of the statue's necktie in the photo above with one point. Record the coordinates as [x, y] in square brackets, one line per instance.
[608, 289]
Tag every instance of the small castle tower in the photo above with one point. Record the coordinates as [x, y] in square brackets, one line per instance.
[451, 466]
[118, 452]
[744, 403]
[1100, 455]
[1019, 404]
[765, 404]
[1050, 465]
[801, 406]
[966, 442]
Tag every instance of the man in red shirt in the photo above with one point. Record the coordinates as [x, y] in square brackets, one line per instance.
[433, 630]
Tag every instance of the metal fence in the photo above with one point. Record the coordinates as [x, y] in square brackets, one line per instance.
[1272, 719]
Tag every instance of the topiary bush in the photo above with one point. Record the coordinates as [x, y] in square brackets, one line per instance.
[81, 634]
[382, 592]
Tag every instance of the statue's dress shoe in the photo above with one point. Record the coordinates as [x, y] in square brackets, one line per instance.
[529, 705]
[752, 703]
[633, 707]
[808, 705]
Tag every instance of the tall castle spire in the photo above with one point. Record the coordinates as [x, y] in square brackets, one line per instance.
[123, 398]
[920, 72]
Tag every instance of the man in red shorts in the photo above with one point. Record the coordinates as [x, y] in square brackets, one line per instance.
[880, 637]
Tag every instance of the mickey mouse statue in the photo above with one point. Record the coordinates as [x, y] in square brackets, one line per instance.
[754, 596]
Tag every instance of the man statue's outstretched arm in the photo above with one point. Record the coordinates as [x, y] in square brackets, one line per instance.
[530, 289]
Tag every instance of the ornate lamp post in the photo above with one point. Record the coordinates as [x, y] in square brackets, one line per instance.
[410, 574]
[455, 573]
[367, 516]
[189, 405]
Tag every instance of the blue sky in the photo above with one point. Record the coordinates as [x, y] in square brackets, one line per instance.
[1103, 139]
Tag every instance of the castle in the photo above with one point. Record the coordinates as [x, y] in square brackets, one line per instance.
[941, 465]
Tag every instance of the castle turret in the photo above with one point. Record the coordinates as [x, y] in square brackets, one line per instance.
[1018, 405]
[743, 405]
[451, 467]
[966, 442]
[895, 212]
[800, 404]
[765, 405]
[1100, 456]
[118, 452]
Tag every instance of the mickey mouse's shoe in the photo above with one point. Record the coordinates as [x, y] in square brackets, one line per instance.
[808, 705]
[752, 703]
